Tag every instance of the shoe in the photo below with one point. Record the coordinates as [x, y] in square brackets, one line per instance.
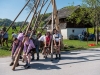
[59, 56]
[37, 59]
[44, 56]
[56, 57]
[20, 57]
[17, 65]
[32, 59]
[11, 64]
[26, 67]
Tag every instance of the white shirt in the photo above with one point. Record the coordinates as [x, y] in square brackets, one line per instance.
[14, 35]
[42, 38]
[57, 37]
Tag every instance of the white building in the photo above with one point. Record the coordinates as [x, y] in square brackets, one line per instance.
[71, 31]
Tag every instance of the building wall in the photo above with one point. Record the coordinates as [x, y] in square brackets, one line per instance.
[64, 33]
[76, 31]
[67, 32]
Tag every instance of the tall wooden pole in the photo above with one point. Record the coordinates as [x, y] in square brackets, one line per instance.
[17, 15]
[57, 24]
[28, 16]
[55, 16]
[42, 5]
[44, 14]
[19, 51]
[35, 24]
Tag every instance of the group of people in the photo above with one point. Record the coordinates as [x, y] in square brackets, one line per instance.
[84, 35]
[31, 45]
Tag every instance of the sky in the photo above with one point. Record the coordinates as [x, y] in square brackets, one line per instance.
[10, 8]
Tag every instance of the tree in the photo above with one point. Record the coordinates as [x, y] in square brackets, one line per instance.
[80, 16]
[94, 6]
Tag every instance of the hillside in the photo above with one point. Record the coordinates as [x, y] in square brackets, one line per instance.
[7, 22]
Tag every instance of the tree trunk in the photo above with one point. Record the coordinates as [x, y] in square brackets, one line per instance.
[96, 34]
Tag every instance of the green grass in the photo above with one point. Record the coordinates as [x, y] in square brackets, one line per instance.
[77, 45]
[4, 53]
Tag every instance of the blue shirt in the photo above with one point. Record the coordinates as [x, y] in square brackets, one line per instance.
[5, 35]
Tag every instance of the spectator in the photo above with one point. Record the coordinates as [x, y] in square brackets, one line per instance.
[0, 38]
[14, 27]
[4, 28]
[14, 35]
[5, 38]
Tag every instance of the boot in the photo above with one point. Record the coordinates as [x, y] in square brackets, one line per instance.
[32, 59]
[37, 58]
[59, 56]
[56, 57]
[20, 57]
[11, 63]
[32, 56]
[17, 65]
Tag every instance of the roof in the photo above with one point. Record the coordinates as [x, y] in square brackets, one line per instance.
[64, 12]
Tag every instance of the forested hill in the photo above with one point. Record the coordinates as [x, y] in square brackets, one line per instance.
[7, 22]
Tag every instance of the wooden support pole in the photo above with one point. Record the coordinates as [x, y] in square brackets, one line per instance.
[17, 16]
[28, 16]
[18, 55]
[43, 4]
[44, 14]
[55, 16]
[52, 27]
[57, 24]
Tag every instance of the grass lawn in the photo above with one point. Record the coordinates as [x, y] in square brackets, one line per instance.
[78, 45]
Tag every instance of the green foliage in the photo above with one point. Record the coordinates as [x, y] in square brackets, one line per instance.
[7, 22]
[94, 6]
[80, 16]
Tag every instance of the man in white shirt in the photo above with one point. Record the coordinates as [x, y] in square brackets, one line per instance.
[14, 35]
[41, 40]
[57, 43]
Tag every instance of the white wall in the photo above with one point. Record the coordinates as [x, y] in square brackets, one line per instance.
[64, 33]
[76, 31]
